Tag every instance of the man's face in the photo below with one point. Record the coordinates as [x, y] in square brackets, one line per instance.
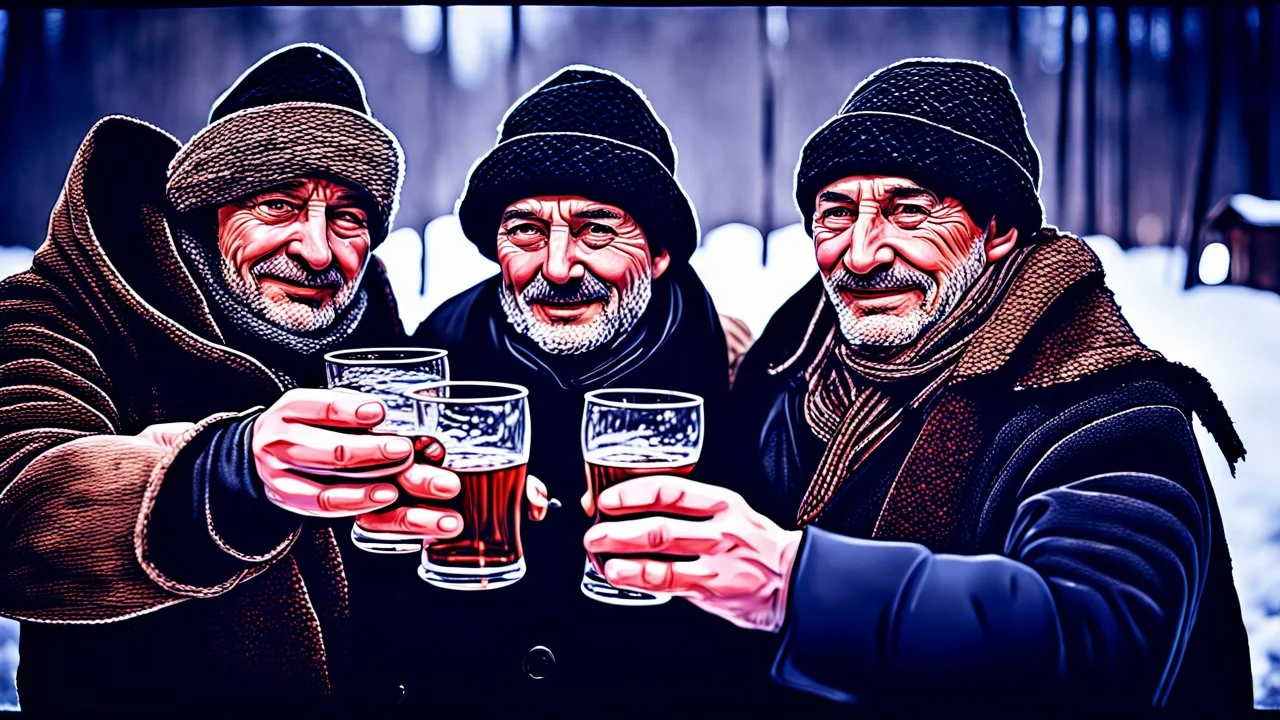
[295, 252]
[895, 258]
[576, 273]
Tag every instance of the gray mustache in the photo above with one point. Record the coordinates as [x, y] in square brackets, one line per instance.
[588, 289]
[895, 275]
[283, 267]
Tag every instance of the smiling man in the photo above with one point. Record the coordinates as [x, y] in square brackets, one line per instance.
[965, 482]
[164, 534]
[580, 206]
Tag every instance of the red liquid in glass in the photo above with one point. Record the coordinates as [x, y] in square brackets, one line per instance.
[489, 503]
[606, 468]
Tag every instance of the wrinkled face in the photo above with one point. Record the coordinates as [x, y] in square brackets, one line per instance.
[576, 273]
[295, 252]
[895, 258]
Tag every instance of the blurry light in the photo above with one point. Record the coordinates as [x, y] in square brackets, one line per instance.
[420, 25]
[539, 25]
[479, 37]
[53, 18]
[1106, 25]
[1252, 18]
[1215, 264]
[1191, 25]
[1080, 25]
[1051, 51]
[775, 25]
[1150, 230]
[4, 36]
[1161, 34]
[1137, 29]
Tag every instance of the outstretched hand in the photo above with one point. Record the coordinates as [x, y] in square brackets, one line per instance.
[743, 560]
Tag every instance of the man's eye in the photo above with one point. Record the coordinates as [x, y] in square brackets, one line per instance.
[276, 206]
[525, 230]
[836, 212]
[911, 209]
[350, 217]
[600, 229]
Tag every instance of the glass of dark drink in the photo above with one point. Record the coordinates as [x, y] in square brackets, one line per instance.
[627, 433]
[484, 428]
[388, 373]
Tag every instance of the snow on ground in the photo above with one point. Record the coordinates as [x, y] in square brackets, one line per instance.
[1230, 334]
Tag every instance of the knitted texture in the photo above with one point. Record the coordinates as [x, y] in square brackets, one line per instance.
[583, 132]
[86, 362]
[953, 126]
[256, 148]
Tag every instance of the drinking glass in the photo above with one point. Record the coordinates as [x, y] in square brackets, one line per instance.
[628, 433]
[388, 373]
[484, 428]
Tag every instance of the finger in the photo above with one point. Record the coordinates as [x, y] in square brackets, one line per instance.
[539, 503]
[424, 522]
[307, 497]
[315, 449]
[588, 505]
[664, 493]
[677, 578]
[656, 535]
[430, 482]
[330, 408]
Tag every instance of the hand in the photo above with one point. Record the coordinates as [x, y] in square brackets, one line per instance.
[433, 482]
[298, 440]
[165, 434]
[744, 559]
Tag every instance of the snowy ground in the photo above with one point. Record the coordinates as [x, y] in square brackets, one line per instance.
[1230, 334]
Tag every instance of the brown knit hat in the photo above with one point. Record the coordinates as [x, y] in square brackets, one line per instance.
[299, 111]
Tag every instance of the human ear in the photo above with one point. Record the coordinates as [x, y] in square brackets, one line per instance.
[660, 263]
[999, 246]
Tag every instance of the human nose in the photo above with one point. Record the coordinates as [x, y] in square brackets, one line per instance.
[867, 247]
[311, 241]
[562, 263]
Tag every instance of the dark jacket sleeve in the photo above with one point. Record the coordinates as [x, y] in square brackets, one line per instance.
[1090, 602]
[211, 510]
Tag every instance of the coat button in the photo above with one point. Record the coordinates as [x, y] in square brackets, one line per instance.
[539, 662]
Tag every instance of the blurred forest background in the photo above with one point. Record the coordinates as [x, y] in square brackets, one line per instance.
[1144, 116]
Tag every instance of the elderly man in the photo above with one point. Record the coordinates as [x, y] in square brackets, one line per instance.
[970, 483]
[153, 517]
[580, 206]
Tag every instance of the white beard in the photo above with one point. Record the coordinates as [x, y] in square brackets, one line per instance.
[882, 330]
[294, 316]
[618, 316]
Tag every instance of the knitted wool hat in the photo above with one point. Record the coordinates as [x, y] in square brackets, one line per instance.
[299, 111]
[587, 132]
[953, 126]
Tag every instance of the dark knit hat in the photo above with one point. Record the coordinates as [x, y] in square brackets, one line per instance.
[588, 132]
[299, 111]
[953, 126]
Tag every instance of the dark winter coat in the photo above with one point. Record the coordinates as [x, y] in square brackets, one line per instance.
[134, 590]
[678, 344]
[1043, 534]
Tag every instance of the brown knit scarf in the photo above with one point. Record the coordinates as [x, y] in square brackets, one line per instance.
[855, 402]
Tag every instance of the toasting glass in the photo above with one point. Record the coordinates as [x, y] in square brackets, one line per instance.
[484, 427]
[628, 433]
[388, 373]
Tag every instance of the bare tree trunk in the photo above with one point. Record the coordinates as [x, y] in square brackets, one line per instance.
[1091, 122]
[1209, 146]
[1064, 111]
[513, 59]
[1126, 80]
[767, 153]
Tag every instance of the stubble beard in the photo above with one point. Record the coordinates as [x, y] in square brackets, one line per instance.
[620, 313]
[887, 330]
[286, 313]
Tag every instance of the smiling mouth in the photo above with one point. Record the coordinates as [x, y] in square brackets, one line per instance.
[310, 294]
[566, 313]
